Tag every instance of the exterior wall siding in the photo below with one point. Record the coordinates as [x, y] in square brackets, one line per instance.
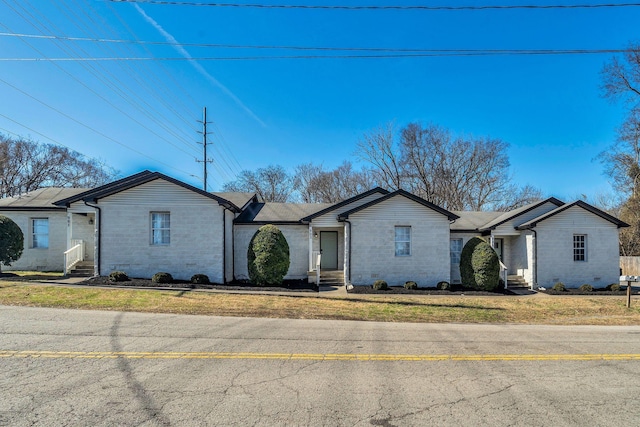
[229, 245]
[555, 250]
[373, 244]
[49, 259]
[297, 237]
[509, 226]
[82, 230]
[196, 237]
[521, 256]
[316, 242]
[330, 219]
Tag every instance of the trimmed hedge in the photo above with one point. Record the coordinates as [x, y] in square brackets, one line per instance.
[466, 269]
[268, 256]
[615, 287]
[200, 279]
[11, 241]
[411, 285]
[586, 288]
[559, 287]
[162, 278]
[444, 286]
[380, 285]
[480, 266]
[118, 276]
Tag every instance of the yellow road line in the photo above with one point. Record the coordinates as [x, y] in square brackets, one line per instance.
[313, 356]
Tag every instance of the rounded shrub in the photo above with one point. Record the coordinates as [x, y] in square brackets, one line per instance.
[411, 285]
[11, 241]
[486, 267]
[559, 287]
[466, 269]
[443, 286]
[380, 285]
[614, 287]
[118, 276]
[586, 288]
[268, 256]
[200, 279]
[162, 278]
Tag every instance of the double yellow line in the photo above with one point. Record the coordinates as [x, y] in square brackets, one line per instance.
[313, 356]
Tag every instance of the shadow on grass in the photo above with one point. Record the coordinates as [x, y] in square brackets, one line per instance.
[31, 276]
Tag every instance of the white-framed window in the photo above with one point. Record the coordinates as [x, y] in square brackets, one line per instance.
[40, 233]
[455, 251]
[403, 241]
[579, 247]
[160, 228]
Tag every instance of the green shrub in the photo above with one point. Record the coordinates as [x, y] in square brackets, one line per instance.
[268, 256]
[614, 287]
[118, 276]
[479, 266]
[11, 241]
[411, 285]
[443, 286]
[200, 279]
[380, 285]
[559, 287]
[162, 278]
[466, 269]
[586, 288]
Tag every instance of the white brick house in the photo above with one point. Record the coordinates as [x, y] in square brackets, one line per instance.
[149, 222]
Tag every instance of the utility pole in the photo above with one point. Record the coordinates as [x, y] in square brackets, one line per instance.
[204, 160]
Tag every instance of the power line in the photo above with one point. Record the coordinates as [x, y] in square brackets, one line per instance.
[434, 54]
[383, 7]
[304, 48]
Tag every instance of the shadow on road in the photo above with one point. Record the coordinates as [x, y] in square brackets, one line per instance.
[141, 395]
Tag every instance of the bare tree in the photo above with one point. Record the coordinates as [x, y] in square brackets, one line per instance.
[27, 165]
[272, 184]
[621, 77]
[454, 172]
[315, 185]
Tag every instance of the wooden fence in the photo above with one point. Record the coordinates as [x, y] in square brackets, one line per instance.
[630, 265]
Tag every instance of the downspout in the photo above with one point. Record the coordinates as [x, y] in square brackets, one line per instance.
[535, 259]
[99, 246]
[350, 238]
[224, 245]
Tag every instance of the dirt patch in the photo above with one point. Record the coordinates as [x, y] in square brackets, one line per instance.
[287, 286]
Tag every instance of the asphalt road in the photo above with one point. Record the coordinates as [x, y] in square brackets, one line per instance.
[65, 367]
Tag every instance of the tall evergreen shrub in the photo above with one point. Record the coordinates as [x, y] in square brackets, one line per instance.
[268, 256]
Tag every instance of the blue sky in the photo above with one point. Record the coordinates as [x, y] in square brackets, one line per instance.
[138, 115]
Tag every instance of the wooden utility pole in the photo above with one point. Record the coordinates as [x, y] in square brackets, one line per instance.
[204, 160]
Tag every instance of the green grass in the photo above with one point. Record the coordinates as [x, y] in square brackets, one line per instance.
[424, 309]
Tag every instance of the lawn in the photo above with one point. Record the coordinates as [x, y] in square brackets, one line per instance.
[461, 309]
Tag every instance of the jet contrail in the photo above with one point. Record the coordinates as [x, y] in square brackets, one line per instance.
[196, 65]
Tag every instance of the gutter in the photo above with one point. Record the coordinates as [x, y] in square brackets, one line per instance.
[535, 256]
[96, 269]
[350, 238]
[224, 243]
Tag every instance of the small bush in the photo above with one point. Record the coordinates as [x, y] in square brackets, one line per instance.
[559, 287]
[411, 285]
[443, 286]
[200, 279]
[162, 278]
[614, 287]
[118, 276]
[380, 285]
[586, 288]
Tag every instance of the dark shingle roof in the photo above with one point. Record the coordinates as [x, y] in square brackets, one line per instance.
[472, 220]
[533, 222]
[278, 212]
[507, 216]
[43, 198]
[237, 198]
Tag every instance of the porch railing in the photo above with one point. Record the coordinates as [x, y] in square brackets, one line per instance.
[317, 257]
[73, 255]
[314, 258]
[503, 274]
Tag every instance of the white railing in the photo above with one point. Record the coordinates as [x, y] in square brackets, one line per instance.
[503, 273]
[73, 255]
[314, 258]
[318, 258]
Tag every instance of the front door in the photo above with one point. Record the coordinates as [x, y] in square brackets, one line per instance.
[329, 250]
[497, 246]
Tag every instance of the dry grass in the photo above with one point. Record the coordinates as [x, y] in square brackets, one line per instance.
[460, 309]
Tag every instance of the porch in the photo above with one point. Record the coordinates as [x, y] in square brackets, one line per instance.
[80, 253]
[326, 255]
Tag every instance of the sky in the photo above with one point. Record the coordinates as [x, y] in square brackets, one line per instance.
[142, 108]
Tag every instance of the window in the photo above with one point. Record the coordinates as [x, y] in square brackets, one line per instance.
[160, 228]
[455, 251]
[579, 247]
[403, 241]
[40, 233]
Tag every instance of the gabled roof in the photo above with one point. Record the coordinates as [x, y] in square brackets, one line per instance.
[134, 181]
[345, 202]
[239, 199]
[472, 221]
[584, 205]
[403, 193]
[277, 213]
[507, 216]
[40, 199]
